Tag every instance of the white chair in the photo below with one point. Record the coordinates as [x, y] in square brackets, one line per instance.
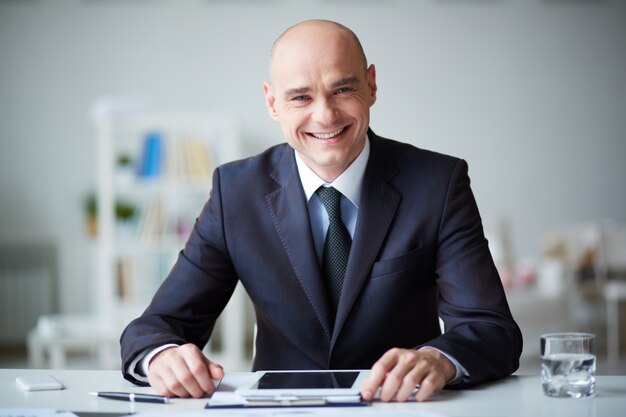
[612, 276]
[56, 335]
[614, 292]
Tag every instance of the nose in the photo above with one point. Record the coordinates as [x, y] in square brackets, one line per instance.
[324, 112]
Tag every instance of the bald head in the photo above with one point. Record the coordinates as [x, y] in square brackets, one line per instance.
[310, 32]
[321, 91]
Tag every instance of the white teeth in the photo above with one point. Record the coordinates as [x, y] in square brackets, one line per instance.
[328, 135]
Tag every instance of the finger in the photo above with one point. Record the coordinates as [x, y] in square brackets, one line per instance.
[171, 366]
[169, 374]
[432, 383]
[200, 381]
[207, 373]
[188, 382]
[191, 371]
[216, 370]
[161, 377]
[377, 374]
[409, 382]
[421, 367]
[159, 386]
[179, 380]
[395, 379]
[159, 372]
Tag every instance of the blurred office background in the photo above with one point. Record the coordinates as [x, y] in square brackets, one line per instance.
[532, 93]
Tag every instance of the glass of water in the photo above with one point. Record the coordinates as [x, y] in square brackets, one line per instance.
[568, 364]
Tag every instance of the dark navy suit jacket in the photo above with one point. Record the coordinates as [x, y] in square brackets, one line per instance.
[418, 253]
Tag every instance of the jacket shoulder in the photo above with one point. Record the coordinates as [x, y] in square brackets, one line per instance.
[406, 155]
[258, 166]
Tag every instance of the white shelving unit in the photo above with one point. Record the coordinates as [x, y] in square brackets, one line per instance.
[134, 255]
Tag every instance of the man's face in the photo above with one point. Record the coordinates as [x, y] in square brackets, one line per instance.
[321, 94]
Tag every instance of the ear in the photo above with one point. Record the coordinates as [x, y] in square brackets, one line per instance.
[371, 82]
[270, 100]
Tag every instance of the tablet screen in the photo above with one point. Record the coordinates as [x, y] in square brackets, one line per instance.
[306, 380]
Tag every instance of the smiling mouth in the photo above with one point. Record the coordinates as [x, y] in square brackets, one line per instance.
[330, 135]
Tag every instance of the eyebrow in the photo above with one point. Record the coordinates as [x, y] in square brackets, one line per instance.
[345, 81]
[296, 91]
[290, 92]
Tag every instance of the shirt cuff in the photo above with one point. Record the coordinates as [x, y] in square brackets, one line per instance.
[461, 372]
[138, 368]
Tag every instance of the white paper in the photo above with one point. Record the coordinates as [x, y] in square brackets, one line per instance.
[299, 412]
[220, 398]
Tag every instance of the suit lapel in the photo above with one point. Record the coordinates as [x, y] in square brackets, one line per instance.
[378, 205]
[287, 205]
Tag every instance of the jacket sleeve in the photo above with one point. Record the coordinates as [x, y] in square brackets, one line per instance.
[188, 302]
[480, 332]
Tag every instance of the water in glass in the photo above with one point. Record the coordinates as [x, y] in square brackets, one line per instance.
[570, 375]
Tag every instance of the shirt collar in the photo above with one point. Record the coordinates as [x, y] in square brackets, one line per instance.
[349, 183]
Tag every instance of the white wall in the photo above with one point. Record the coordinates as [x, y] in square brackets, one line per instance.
[531, 92]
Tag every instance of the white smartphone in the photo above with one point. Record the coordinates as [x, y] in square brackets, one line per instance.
[39, 383]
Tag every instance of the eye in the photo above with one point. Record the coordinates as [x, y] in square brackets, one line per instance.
[300, 98]
[342, 90]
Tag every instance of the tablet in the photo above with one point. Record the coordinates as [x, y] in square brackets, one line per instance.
[316, 383]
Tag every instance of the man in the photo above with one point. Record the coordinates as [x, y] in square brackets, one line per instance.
[407, 246]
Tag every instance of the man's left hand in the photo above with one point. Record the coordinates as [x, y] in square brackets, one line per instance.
[399, 371]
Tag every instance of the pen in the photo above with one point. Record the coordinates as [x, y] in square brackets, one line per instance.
[132, 397]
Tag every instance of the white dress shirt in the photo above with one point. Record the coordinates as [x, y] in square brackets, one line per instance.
[349, 184]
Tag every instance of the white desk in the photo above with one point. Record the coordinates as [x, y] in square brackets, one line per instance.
[513, 396]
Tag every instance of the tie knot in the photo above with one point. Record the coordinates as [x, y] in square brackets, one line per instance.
[331, 198]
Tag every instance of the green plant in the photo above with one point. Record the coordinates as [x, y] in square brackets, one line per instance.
[124, 211]
[91, 205]
[124, 160]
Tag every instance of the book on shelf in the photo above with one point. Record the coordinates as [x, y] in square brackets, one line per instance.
[139, 276]
[175, 162]
[152, 222]
[197, 160]
[152, 156]
[125, 278]
[188, 159]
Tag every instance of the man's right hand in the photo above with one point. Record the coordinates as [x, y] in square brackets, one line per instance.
[183, 371]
